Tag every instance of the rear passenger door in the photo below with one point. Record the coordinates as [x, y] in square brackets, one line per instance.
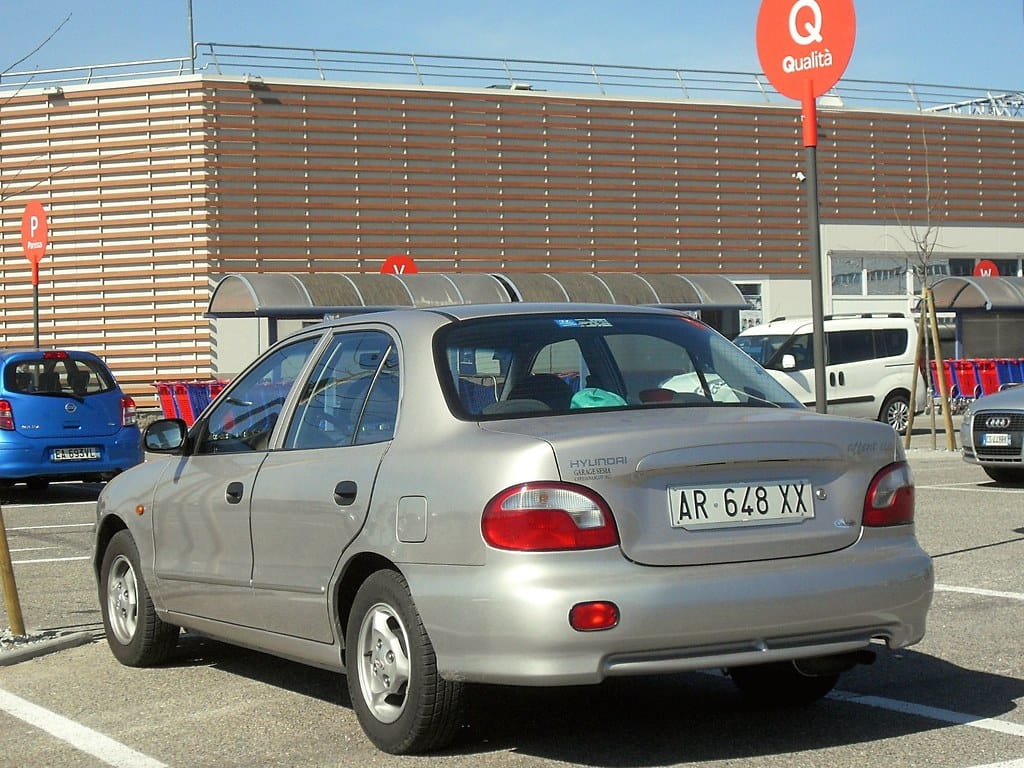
[312, 494]
[852, 373]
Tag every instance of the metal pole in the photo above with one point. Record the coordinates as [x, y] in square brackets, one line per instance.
[191, 38]
[810, 117]
[35, 303]
[11, 601]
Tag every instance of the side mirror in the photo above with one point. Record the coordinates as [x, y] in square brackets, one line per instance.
[165, 435]
[788, 363]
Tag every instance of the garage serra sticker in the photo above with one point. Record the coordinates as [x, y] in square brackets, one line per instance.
[597, 468]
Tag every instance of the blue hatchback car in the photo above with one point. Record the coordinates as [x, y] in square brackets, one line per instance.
[63, 417]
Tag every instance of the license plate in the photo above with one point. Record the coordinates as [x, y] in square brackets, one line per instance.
[716, 506]
[995, 439]
[75, 454]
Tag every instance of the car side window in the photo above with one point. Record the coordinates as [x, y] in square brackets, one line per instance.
[891, 342]
[244, 419]
[351, 396]
[849, 347]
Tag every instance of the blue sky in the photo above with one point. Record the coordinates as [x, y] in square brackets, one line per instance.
[950, 42]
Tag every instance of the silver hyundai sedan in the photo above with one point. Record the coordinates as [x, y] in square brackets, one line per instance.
[519, 494]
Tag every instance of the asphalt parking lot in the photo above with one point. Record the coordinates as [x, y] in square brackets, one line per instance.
[954, 700]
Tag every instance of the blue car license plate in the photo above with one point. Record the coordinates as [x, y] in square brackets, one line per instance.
[75, 454]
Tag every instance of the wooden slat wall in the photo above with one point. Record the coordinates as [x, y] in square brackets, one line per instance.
[340, 178]
[121, 174]
[156, 189]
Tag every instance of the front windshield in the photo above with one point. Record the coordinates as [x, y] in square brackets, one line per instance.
[762, 347]
[529, 365]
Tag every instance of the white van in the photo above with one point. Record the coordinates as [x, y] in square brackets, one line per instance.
[869, 363]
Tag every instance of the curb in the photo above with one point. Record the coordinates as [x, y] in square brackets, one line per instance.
[33, 650]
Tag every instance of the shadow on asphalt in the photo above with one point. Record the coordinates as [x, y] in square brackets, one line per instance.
[56, 493]
[669, 719]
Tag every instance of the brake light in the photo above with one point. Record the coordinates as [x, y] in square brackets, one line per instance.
[6, 416]
[546, 516]
[58, 355]
[129, 414]
[890, 497]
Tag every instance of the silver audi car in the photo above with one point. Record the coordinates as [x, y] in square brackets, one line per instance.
[992, 434]
[539, 495]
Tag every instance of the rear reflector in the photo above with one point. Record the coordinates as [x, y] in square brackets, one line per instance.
[591, 617]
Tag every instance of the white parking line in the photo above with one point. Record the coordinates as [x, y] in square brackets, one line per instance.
[49, 560]
[1009, 764]
[50, 527]
[976, 591]
[968, 487]
[84, 739]
[933, 713]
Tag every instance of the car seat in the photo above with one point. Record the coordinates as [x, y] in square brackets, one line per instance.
[79, 381]
[548, 388]
[49, 381]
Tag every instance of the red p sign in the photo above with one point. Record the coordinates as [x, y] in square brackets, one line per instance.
[34, 232]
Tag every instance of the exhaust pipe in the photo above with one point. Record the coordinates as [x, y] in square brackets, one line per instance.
[833, 665]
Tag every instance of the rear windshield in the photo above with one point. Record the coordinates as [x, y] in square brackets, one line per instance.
[541, 364]
[57, 375]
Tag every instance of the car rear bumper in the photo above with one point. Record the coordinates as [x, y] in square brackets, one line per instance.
[32, 458]
[508, 622]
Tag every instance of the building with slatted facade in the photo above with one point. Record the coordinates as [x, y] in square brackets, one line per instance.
[157, 188]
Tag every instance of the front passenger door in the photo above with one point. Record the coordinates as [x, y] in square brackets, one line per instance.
[201, 518]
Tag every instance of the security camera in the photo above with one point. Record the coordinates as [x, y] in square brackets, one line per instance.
[799, 176]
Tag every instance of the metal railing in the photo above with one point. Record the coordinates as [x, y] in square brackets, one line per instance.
[562, 77]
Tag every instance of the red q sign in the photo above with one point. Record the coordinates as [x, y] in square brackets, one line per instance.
[805, 45]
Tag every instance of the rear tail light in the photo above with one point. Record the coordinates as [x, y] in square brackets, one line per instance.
[6, 416]
[541, 517]
[890, 497]
[129, 414]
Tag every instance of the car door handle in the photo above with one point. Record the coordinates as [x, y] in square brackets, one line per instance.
[344, 493]
[233, 495]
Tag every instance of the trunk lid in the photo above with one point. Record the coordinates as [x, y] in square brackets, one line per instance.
[719, 485]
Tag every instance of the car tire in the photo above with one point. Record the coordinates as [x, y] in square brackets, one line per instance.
[1005, 474]
[781, 684]
[404, 706]
[896, 412]
[136, 635]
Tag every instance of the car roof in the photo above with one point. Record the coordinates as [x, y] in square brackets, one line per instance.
[12, 354]
[459, 312]
[786, 326]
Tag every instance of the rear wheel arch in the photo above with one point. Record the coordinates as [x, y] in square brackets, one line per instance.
[356, 571]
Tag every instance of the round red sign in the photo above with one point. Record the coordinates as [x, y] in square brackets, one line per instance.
[34, 231]
[986, 268]
[399, 264]
[805, 45]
